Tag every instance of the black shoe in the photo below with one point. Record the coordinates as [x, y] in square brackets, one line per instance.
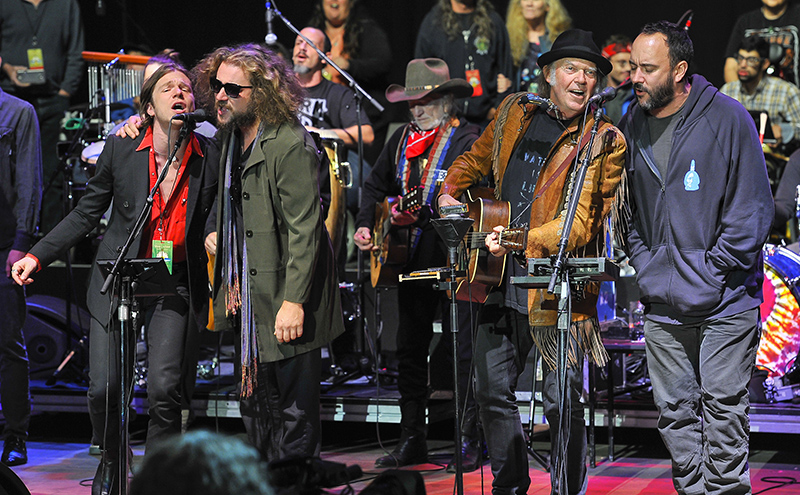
[14, 452]
[411, 450]
[106, 479]
[470, 457]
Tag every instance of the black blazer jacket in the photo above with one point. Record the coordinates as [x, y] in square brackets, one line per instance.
[122, 175]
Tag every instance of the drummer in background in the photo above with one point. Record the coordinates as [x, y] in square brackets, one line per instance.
[786, 204]
[328, 108]
[126, 171]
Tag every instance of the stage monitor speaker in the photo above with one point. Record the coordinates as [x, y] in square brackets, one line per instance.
[10, 484]
[46, 337]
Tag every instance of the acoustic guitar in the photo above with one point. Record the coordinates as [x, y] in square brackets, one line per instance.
[485, 270]
[394, 242]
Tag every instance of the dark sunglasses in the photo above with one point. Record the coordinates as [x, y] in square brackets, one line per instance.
[231, 89]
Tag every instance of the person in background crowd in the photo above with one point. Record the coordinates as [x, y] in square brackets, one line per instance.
[360, 47]
[40, 44]
[472, 39]
[758, 91]
[618, 51]
[532, 26]
[778, 22]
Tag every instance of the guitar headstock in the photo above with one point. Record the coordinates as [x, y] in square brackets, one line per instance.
[514, 238]
[412, 201]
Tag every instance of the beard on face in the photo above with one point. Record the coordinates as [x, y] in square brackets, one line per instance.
[660, 96]
[301, 69]
[238, 119]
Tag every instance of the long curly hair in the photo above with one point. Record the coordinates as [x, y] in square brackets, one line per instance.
[557, 21]
[352, 26]
[277, 94]
[483, 22]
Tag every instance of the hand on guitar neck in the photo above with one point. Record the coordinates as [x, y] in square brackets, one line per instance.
[400, 218]
[495, 244]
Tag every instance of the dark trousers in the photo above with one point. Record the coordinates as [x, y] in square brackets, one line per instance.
[282, 416]
[502, 344]
[166, 320]
[700, 375]
[14, 381]
[575, 455]
[50, 110]
[418, 303]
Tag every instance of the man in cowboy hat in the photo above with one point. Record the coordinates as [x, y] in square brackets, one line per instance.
[531, 152]
[418, 156]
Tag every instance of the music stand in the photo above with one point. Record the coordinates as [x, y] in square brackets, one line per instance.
[136, 278]
[452, 229]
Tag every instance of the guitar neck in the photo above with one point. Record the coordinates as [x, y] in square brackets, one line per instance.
[512, 238]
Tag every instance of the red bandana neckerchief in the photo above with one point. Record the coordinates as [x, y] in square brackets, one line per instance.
[419, 141]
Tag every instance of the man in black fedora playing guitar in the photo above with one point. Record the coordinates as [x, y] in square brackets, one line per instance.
[413, 164]
[530, 151]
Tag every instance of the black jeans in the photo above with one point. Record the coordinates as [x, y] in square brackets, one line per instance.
[166, 319]
[282, 416]
[418, 303]
[14, 380]
[502, 344]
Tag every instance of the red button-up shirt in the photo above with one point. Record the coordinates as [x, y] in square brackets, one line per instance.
[168, 221]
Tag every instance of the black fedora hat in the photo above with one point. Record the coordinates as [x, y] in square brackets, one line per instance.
[426, 76]
[575, 43]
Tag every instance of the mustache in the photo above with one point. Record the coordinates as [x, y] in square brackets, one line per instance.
[640, 87]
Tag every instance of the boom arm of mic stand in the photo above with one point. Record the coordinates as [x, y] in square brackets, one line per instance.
[560, 262]
[145, 213]
[353, 84]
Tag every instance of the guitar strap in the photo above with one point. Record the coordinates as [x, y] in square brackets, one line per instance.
[564, 165]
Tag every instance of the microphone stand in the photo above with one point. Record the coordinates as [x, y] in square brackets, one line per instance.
[561, 277]
[360, 94]
[126, 285]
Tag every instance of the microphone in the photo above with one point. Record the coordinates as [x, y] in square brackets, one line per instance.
[538, 100]
[270, 38]
[198, 115]
[603, 96]
[100, 8]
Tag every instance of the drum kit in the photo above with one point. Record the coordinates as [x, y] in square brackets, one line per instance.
[112, 83]
[780, 323]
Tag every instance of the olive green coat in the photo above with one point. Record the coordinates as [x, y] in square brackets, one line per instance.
[288, 248]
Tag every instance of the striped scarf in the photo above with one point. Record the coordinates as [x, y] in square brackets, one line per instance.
[236, 285]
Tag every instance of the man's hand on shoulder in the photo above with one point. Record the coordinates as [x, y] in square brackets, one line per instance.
[131, 127]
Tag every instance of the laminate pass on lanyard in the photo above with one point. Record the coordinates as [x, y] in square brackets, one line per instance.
[472, 74]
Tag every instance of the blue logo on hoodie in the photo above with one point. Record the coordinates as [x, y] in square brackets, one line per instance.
[691, 181]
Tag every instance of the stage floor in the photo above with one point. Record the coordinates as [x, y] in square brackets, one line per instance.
[60, 462]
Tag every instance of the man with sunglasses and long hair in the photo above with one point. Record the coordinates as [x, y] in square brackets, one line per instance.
[127, 170]
[275, 276]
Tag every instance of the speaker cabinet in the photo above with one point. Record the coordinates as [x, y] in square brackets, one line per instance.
[46, 335]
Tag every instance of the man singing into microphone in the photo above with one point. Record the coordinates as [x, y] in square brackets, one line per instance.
[126, 171]
[531, 153]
